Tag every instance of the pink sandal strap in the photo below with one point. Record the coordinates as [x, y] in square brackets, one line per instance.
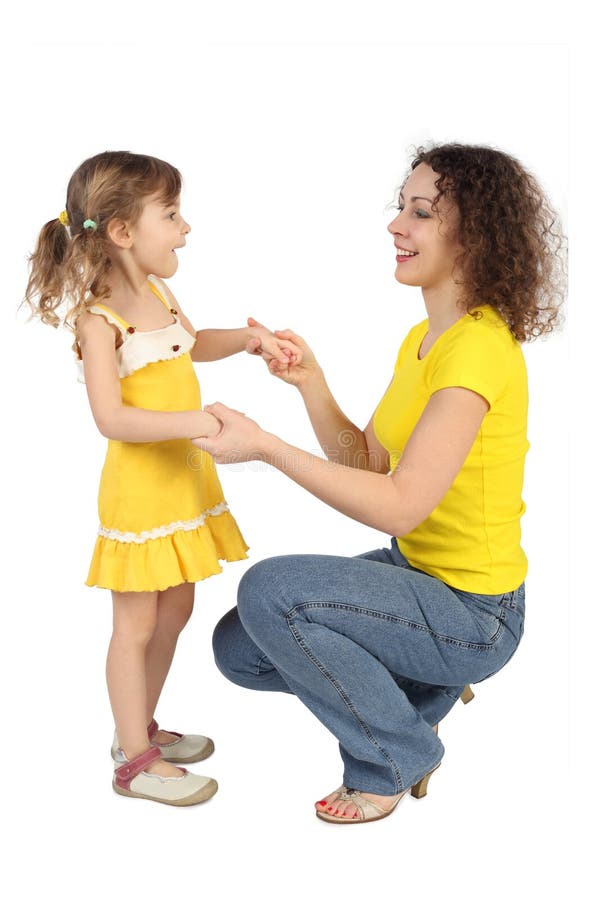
[125, 774]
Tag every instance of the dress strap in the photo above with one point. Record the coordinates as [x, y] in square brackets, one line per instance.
[100, 310]
[152, 279]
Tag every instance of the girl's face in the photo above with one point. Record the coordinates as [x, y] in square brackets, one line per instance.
[157, 234]
[423, 232]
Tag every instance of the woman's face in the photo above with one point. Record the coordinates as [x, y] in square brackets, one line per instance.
[424, 232]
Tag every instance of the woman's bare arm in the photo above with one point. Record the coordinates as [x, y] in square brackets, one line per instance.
[395, 504]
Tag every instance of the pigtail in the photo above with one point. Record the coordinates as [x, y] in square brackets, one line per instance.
[44, 293]
[68, 266]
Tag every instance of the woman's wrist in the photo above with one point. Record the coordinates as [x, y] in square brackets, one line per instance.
[313, 383]
[269, 447]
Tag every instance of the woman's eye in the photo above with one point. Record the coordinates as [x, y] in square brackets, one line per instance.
[421, 214]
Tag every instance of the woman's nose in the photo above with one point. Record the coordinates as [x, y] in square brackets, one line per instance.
[395, 225]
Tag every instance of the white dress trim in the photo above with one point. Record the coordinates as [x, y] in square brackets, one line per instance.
[140, 537]
[141, 348]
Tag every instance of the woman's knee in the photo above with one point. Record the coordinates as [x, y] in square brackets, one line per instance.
[232, 648]
[223, 641]
[260, 594]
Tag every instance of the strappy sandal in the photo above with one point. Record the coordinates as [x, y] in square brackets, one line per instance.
[187, 748]
[130, 780]
[368, 811]
[335, 795]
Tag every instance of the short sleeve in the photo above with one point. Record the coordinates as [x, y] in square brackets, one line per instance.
[478, 359]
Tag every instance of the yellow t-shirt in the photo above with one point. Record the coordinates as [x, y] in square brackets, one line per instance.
[471, 540]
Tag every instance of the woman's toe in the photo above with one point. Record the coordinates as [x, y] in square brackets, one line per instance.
[328, 800]
[346, 809]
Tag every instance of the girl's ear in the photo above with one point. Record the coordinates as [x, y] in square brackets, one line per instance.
[119, 232]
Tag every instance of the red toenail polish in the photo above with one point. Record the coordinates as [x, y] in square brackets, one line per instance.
[322, 802]
[344, 814]
[329, 808]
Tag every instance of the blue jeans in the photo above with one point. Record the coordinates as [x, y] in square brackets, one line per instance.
[377, 650]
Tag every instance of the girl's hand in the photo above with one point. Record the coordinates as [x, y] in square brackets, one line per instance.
[298, 373]
[265, 343]
[241, 438]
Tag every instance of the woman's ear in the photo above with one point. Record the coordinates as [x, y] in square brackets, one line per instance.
[119, 232]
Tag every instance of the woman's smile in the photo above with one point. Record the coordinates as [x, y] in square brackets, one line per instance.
[403, 255]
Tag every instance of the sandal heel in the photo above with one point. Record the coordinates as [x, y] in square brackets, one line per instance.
[419, 789]
[467, 694]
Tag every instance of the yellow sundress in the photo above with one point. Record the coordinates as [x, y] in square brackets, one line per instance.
[163, 516]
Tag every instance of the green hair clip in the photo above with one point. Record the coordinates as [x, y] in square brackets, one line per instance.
[89, 223]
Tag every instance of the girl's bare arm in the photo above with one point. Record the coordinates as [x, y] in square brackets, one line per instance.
[128, 423]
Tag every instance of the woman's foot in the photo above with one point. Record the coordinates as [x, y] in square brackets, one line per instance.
[346, 809]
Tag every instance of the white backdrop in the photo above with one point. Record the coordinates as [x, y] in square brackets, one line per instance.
[290, 150]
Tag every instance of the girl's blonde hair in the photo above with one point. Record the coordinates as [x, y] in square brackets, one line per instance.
[70, 263]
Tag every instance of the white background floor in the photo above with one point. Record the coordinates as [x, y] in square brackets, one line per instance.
[292, 127]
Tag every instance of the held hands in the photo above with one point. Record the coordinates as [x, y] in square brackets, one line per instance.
[265, 343]
[300, 363]
[239, 439]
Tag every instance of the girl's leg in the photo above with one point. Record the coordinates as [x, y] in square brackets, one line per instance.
[173, 610]
[134, 623]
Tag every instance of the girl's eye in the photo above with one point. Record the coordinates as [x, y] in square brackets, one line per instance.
[172, 216]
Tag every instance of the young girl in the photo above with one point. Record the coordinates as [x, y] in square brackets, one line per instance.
[164, 523]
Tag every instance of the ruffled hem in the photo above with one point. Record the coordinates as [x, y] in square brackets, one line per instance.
[167, 561]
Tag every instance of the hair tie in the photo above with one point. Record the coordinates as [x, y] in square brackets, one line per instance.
[89, 223]
[63, 218]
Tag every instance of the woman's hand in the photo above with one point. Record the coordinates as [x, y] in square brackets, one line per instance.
[206, 424]
[297, 372]
[265, 343]
[241, 438]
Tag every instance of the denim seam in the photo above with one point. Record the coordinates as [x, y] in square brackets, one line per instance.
[260, 662]
[333, 681]
[469, 645]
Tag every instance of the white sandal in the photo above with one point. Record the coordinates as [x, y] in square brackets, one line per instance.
[187, 748]
[130, 780]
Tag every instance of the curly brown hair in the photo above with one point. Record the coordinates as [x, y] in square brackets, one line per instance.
[512, 249]
[71, 262]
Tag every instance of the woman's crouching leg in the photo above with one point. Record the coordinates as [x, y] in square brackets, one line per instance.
[240, 660]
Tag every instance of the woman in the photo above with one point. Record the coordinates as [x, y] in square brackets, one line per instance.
[380, 646]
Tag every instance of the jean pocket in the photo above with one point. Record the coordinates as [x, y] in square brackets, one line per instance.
[515, 600]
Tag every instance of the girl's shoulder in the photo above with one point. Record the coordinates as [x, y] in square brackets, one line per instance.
[95, 321]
